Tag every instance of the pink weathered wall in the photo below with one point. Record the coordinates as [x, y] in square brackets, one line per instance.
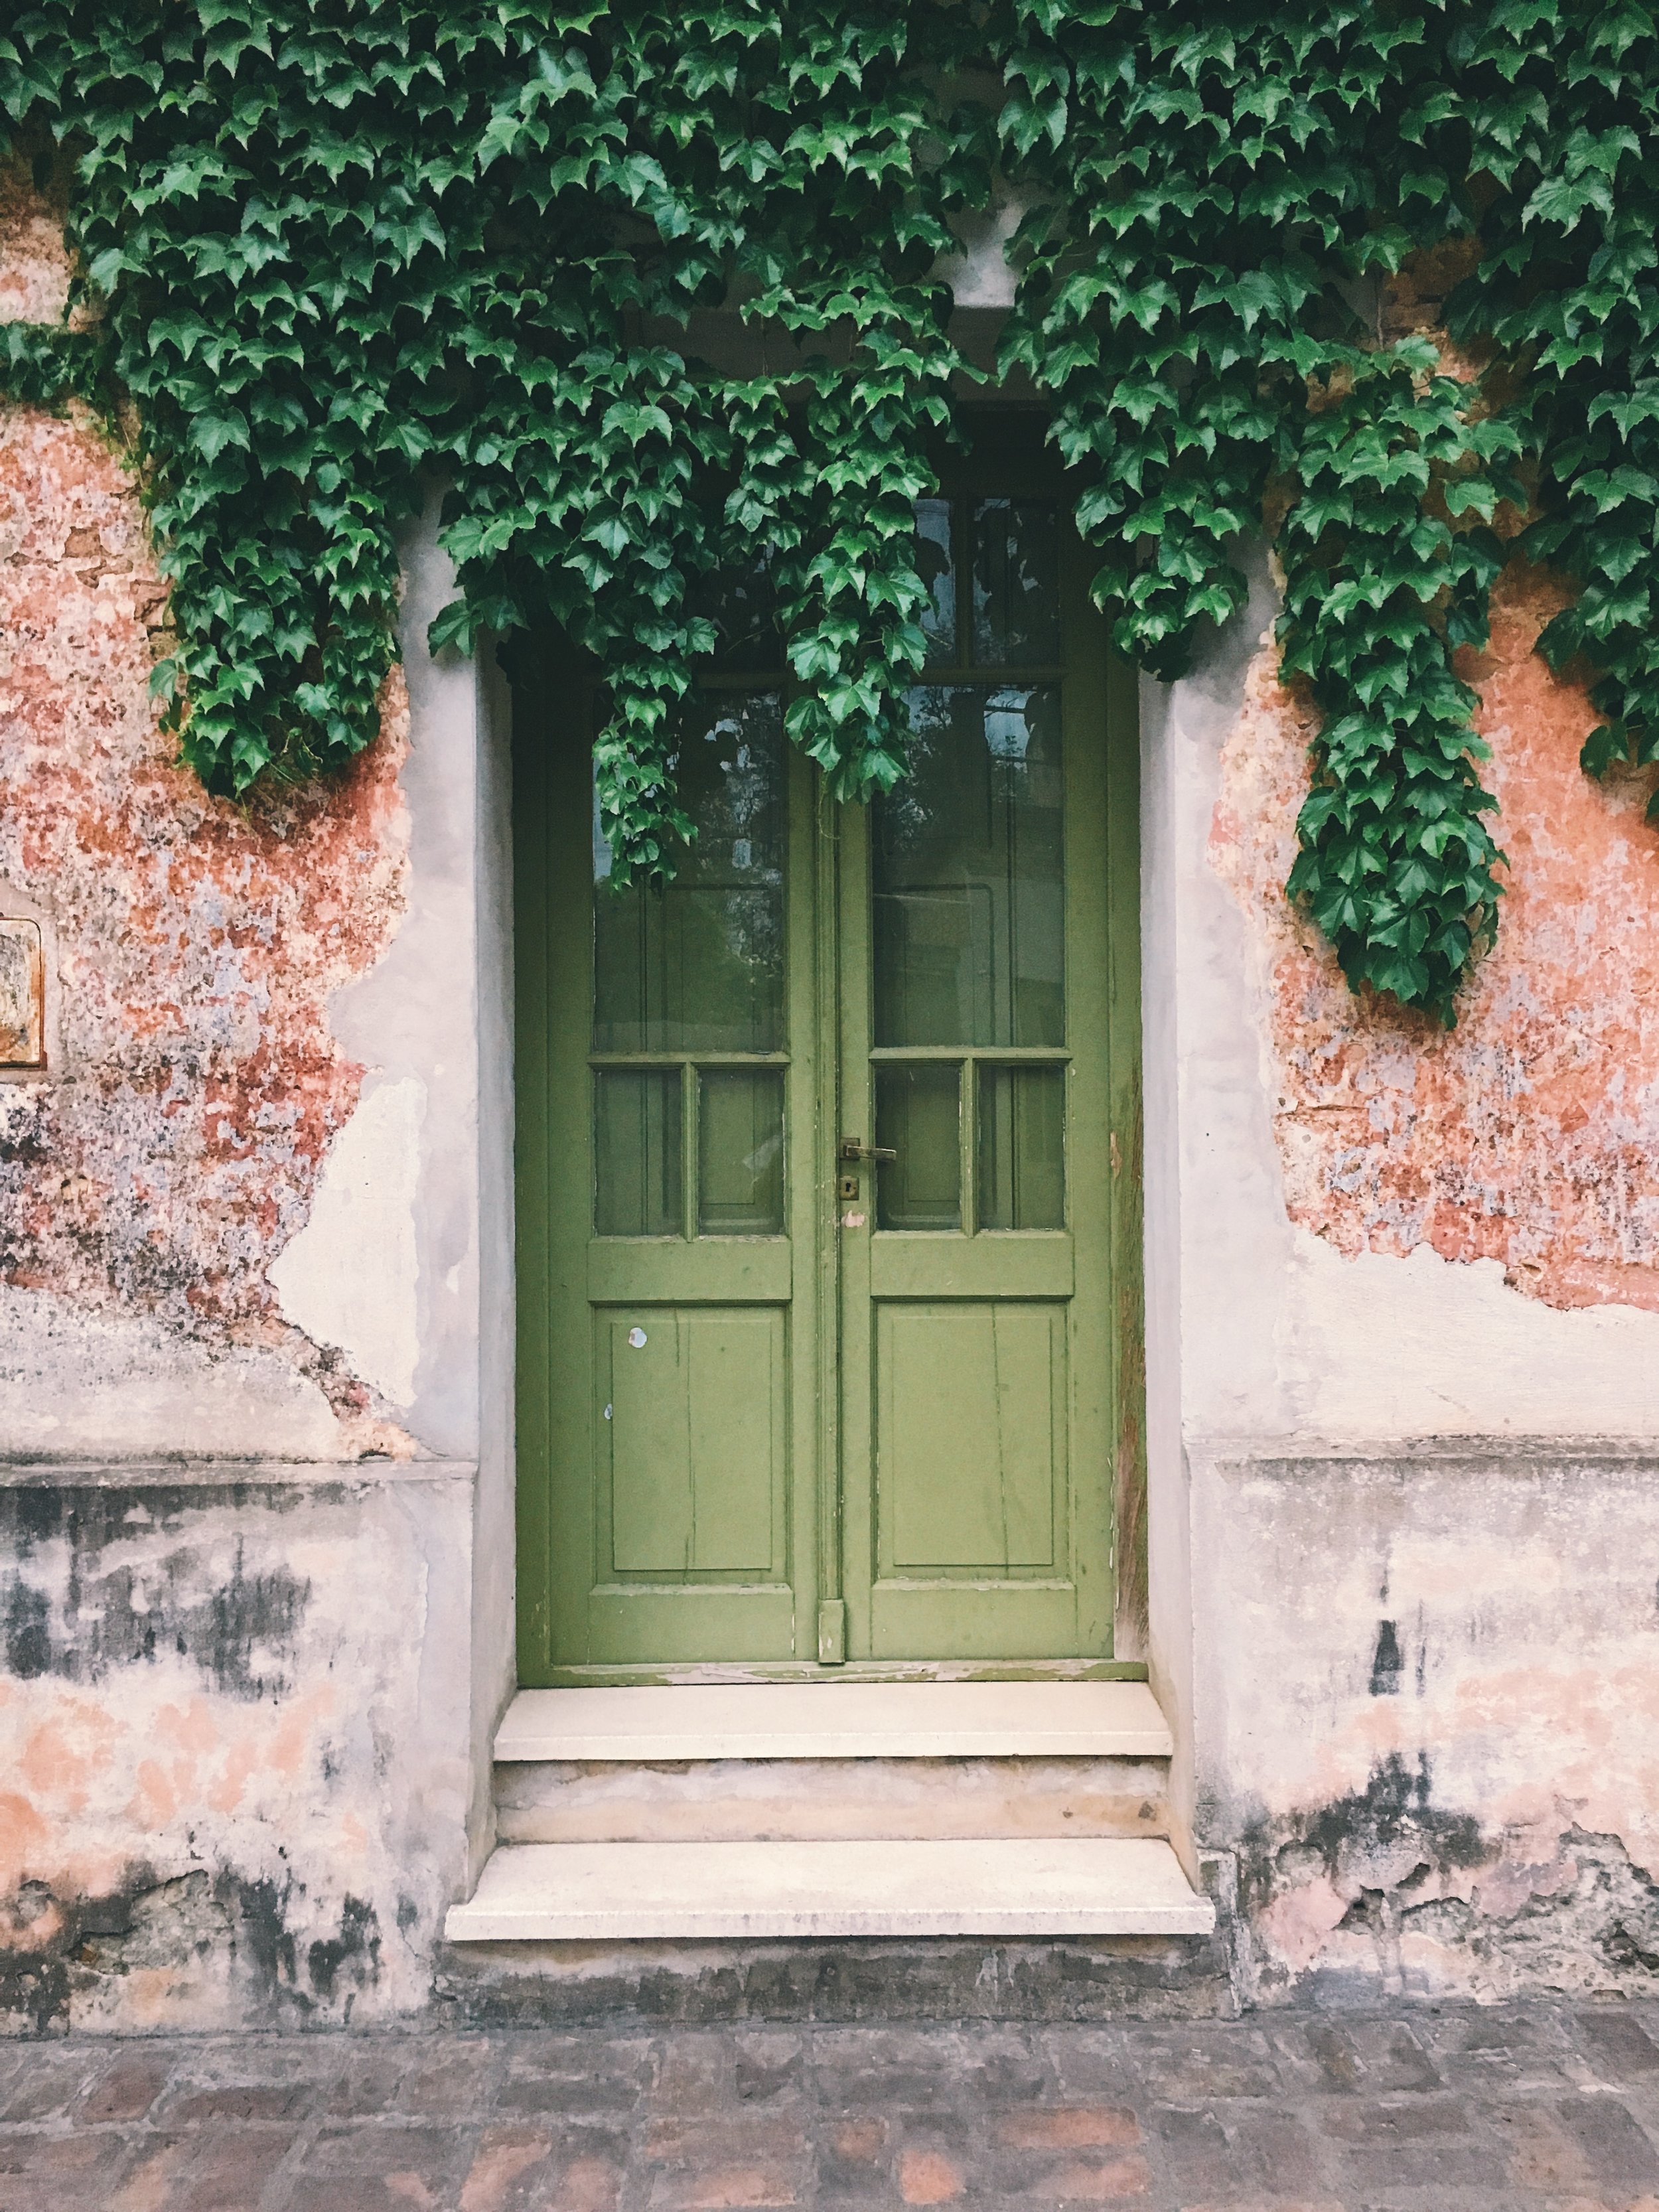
[234, 1720]
[232, 1788]
[1427, 1636]
[1529, 1134]
[196, 1086]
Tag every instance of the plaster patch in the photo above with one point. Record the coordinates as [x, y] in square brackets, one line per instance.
[1420, 1345]
[982, 275]
[350, 1278]
[75, 1384]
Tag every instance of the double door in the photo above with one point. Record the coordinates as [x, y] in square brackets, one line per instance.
[825, 1300]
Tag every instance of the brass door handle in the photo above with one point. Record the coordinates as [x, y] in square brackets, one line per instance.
[851, 1149]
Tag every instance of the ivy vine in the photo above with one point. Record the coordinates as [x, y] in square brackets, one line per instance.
[336, 252]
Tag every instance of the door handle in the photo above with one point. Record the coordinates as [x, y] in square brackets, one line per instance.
[851, 1149]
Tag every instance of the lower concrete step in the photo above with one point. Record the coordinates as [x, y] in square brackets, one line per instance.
[586, 1892]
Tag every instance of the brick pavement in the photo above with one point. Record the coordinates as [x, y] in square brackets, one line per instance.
[1553, 2108]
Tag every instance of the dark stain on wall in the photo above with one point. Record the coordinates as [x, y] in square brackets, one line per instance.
[1394, 1808]
[1386, 1665]
[66, 1953]
[75, 1602]
[358, 1940]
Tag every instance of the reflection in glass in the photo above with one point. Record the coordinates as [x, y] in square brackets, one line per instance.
[919, 1114]
[637, 1182]
[937, 568]
[968, 888]
[1015, 555]
[1022, 1156]
[740, 1152]
[696, 965]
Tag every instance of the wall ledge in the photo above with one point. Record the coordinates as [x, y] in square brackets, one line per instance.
[230, 1473]
[1480, 1454]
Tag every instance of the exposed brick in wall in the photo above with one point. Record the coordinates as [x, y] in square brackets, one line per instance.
[1530, 1134]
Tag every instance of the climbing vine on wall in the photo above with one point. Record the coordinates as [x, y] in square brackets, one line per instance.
[335, 252]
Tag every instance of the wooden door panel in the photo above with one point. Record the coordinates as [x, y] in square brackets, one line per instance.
[668, 1488]
[971, 1419]
[693, 1448]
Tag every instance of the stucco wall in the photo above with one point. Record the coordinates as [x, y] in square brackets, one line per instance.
[255, 1334]
[1405, 1364]
[232, 1743]
[254, 1248]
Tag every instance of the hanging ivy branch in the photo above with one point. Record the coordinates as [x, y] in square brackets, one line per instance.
[1563, 117]
[338, 253]
[1388, 559]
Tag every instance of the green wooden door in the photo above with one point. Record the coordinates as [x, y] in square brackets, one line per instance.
[781, 1406]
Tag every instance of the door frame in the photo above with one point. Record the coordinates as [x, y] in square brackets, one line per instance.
[1126, 1476]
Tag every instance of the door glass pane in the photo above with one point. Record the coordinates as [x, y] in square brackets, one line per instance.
[1021, 1159]
[936, 565]
[919, 1114]
[1015, 583]
[637, 1181]
[740, 1152]
[969, 884]
[696, 965]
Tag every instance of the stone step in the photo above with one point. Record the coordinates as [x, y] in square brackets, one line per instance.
[836, 1719]
[818, 1800]
[593, 1892]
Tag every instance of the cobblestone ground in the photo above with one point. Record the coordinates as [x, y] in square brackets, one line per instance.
[1538, 2107]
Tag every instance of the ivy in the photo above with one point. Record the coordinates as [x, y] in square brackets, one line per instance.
[337, 254]
[1389, 558]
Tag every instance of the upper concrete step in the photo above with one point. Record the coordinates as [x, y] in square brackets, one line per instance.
[586, 1893]
[836, 1719]
[558, 1800]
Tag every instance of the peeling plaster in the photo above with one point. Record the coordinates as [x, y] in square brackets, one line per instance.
[1529, 1135]
[178, 1149]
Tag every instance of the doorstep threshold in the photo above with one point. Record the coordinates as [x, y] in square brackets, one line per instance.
[633, 1892]
[836, 1719]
